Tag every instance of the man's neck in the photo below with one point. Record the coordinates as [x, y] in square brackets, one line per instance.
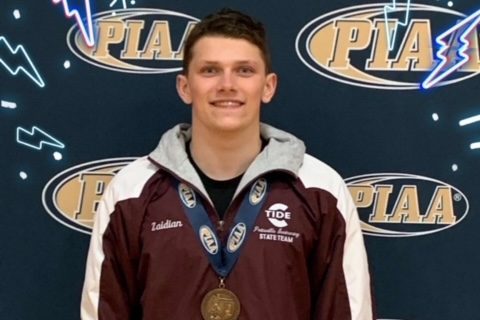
[227, 155]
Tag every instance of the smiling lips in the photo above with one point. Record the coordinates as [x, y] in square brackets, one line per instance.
[227, 103]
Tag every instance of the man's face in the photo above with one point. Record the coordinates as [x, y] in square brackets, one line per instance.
[226, 84]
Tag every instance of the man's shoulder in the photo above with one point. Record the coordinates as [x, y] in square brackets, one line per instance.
[315, 173]
[131, 179]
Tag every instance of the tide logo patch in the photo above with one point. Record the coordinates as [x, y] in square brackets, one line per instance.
[278, 215]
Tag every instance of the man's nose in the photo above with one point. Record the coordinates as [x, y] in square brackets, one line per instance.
[227, 81]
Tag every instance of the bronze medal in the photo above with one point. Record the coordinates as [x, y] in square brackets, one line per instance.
[220, 304]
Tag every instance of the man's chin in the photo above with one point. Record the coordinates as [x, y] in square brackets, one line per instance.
[234, 125]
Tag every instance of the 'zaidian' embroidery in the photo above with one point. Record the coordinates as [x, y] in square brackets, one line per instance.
[167, 224]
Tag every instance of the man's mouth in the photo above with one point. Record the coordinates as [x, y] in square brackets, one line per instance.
[227, 103]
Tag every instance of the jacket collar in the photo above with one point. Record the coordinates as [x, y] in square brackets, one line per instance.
[283, 152]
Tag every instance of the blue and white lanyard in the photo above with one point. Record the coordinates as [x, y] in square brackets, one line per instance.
[223, 257]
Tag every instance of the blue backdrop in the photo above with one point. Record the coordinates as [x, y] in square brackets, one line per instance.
[351, 75]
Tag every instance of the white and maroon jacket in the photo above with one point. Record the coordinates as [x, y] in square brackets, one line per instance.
[146, 262]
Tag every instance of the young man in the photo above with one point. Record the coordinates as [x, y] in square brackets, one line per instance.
[227, 218]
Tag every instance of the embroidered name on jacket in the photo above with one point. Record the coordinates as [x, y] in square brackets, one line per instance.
[166, 224]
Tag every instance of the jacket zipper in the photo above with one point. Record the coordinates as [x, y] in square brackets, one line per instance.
[221, 222]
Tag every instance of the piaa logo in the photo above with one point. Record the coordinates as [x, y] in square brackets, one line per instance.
[147, 41]
[72, 196]
[358, 46]
[403, 205]
[187, 195]
[258, 191]
[208, 239]
[236, 237]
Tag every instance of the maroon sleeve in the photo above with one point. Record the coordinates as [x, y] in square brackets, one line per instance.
[339, 269]
[329, 295]
[119, 289]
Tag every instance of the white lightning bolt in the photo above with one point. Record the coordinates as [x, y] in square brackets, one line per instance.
[442, 70]
[39, 137]
[124, 3]
[86, 30]
[34, 75]
[467, 121]
[392, 34]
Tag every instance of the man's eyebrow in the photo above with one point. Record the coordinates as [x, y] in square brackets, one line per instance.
[246, 62]
[212, 62]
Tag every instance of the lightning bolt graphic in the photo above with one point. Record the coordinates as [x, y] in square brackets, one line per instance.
[28, 67]
[467, 121]
[85, 23]
[392, 33]
[446, 66]
[37, 138]
[8, 104]
[124, 3]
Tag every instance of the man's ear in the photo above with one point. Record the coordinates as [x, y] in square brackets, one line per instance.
[270, 87]
[183, 89]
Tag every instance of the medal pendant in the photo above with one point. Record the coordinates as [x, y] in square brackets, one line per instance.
[220, 304]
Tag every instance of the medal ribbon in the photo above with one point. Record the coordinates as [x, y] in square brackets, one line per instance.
[223, 257]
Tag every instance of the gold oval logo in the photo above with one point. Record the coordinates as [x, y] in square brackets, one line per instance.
[405, 205]
[145, 41]
[351, 45]
[187, 195]
[258, 191]
[208, 239]
[236, 237]
[72, 196]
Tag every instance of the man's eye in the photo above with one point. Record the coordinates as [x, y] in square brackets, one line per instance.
[209, 70]
[246, 70]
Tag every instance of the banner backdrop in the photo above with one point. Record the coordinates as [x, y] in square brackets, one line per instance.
[385, 92]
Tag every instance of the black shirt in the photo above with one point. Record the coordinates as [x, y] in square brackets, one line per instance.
[220, 191]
